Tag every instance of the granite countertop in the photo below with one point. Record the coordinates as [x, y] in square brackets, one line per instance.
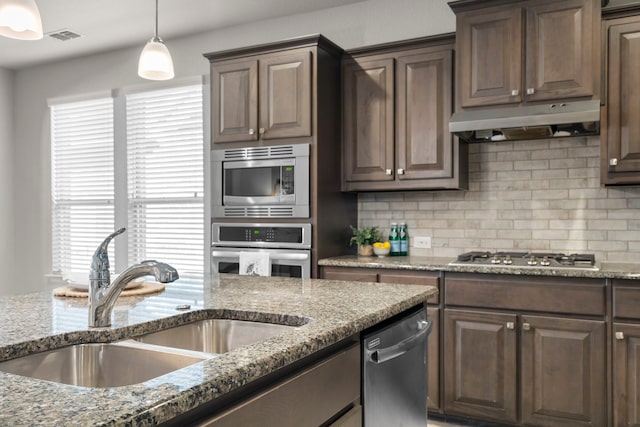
[39, 321]
[606, 270]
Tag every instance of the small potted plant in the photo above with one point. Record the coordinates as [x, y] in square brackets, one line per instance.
[365, 237]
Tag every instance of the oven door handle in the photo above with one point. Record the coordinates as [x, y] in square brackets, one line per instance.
[272, 255]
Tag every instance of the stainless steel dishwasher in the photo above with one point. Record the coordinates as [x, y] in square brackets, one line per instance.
[394, 389]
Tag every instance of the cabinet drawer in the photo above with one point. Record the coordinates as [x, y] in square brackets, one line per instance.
[355, 274]
[626, 300]
[310, 398]
[352, 274]
[412, 278]
[546, 294]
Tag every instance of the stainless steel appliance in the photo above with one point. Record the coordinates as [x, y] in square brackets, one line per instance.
[261, 181]
[550, 261]
[394, 390]
[561, 119]
[288, 245]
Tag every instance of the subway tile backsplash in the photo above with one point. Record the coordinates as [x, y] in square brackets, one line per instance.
[527, 195]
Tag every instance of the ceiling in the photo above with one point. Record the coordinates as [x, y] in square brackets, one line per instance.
[113, 24]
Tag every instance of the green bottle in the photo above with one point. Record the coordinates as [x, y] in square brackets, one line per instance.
[394, 240]
[404, 240]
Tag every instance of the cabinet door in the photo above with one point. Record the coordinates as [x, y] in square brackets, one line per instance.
[285, 95]
[561, 48]
[626, 375]
[424, 144]
[563, 372]
[234, 99]
[368, 122]
[480, 364]
[433, 360]
[621, 149]
[489, 56]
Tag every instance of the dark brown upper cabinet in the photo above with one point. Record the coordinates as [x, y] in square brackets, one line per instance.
[510, 52]
[397, 102]
[262, 97]
[620, 138]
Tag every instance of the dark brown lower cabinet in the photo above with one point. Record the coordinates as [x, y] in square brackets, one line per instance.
[560, 363]
[626, 353]
[563, 371]
[626, 375]
[480, 364]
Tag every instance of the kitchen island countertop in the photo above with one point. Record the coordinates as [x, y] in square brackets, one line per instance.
[606, 270]
[335, 310]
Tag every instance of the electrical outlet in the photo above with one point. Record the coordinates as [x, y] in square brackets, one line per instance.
[423, 242]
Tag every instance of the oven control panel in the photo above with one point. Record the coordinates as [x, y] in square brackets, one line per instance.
[280, 235]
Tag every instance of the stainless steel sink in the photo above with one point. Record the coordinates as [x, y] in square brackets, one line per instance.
[100, 365]
[214, 335]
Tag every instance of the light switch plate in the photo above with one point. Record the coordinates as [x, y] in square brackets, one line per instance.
[422, 242]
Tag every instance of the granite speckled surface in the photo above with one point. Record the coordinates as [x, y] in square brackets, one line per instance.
[606, 270]
[326, 312]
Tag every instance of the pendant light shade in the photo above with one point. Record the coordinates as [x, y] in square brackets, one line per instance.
[155, 60]
[20, 19]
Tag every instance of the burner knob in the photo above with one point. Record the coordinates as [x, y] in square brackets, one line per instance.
[496, 260]
[507, 260]
[545, 261]
[532, 261]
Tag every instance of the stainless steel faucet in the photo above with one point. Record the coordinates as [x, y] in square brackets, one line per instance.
[103, 294]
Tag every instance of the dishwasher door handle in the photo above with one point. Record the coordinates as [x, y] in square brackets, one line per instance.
[385, 354]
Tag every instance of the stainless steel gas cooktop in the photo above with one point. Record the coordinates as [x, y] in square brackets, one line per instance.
[552, 261]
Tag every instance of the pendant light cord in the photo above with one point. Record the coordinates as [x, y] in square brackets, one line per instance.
[155, 35]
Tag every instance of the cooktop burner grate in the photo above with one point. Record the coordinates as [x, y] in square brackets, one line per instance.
[527, 259]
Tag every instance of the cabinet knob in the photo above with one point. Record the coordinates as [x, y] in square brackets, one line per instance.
[531, 91]
[261, 131]
[511, 325]
[619, 335]
[251, 131]
[613, 162]
[515, 92]
[389, 172]
[526, 327]
[400, 171]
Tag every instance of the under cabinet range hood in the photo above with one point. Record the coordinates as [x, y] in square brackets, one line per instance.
[542, 121]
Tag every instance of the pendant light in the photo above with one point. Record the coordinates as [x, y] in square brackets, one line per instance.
[155, 60]
[20, 19]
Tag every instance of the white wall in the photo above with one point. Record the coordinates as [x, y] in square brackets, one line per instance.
[360, 24]
[6, 178]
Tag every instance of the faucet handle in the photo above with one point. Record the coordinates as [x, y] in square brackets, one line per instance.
[100, 260]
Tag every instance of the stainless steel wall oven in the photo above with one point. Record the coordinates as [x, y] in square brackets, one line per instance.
[288, 246]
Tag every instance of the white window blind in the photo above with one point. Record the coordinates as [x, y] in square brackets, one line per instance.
[82, 181]
[165, 177]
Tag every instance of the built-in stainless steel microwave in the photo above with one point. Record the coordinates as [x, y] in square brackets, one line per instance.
[261, 182]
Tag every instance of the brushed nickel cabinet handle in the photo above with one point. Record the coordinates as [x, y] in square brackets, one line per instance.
[515, 92]
[526, 327]
[613, 162]
[261, 131]
[400, 171]
[511, 325]
[251, 131]
[389, 172]
[619, 335]
[531, 91]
